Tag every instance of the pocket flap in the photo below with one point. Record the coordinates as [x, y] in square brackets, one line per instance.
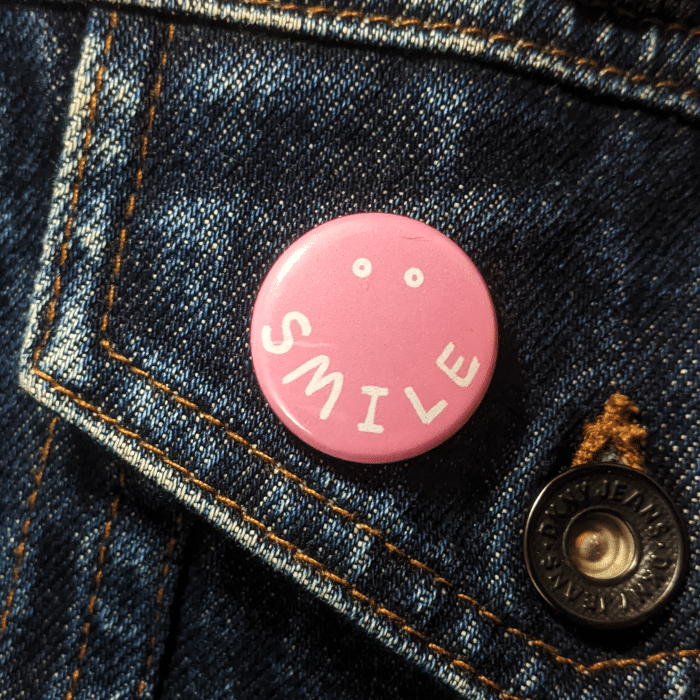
[195, 154]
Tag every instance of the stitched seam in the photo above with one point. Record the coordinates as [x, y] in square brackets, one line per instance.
[21, 547]
[481, 609]
[50, 314]
[167, 559]
[518, 44]
[93, 600]
[299, 555]
[294, 551]
[251, 448]
[143, 151]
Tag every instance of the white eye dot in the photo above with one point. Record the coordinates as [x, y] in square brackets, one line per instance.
[413, 277]
[362, 267]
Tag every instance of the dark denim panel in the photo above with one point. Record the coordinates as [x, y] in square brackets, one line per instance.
[40, 51]
[89, 611]
[134, 606]
[653, 63]
[582, 217]
[47, 604]
[81, 605]
[39, 54]
[267, 639]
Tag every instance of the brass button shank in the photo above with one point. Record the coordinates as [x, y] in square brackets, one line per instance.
[605, 546]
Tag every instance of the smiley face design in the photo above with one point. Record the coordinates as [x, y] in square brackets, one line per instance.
[373, 338]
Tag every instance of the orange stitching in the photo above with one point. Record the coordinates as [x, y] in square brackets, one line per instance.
[397, 22]
[143, 151]
[481, 609]
[615, 428]
[93, 601]
[654, 658]
[159, 603]
[53, 302]
[297, 554]
[20, 550]
[612, 70]
[292, 549]
[346, 14]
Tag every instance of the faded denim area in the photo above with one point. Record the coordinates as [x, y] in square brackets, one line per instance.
[192, 155]
[650, 56]
[89, 553]
[105, 590]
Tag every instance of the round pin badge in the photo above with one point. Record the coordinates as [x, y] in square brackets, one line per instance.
[373, 337]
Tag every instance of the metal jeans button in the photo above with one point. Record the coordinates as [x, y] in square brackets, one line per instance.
[605, 546]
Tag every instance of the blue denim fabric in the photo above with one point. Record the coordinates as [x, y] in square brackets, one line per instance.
[191, 155]
[176, 613]
[82, 556]
[652, 62]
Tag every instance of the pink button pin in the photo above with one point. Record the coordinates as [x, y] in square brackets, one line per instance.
[373, 338]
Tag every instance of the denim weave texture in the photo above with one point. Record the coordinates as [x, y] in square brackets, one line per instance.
[598, 47]
[162, 534]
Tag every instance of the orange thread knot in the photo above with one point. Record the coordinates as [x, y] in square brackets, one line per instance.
[615, 429]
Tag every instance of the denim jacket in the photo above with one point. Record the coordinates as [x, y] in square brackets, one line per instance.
[162, 535]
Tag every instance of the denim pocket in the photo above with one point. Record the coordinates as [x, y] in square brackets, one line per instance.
[195, 154]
